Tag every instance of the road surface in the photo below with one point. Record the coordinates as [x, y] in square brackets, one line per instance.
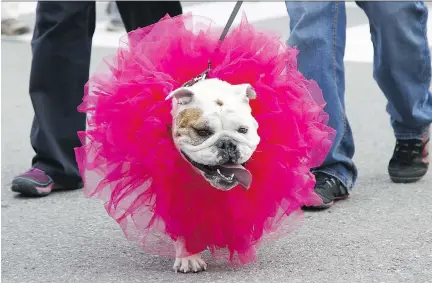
[382, 233]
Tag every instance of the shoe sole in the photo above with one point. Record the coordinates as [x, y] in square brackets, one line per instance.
[25, 188]
[405, 180]
[325, 205]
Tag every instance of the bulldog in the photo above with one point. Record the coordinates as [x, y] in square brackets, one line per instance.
[214, 130]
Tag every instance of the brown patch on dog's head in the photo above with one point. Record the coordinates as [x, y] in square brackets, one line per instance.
[219, 102]
[188, 117]
[190, 123]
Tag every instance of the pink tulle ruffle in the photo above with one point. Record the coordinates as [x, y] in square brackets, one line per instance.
[128, 158]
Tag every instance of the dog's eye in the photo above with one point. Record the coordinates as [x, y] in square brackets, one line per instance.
[242, 130]
[204, 133]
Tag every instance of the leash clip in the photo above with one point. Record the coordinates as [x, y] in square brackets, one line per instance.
[198, 78]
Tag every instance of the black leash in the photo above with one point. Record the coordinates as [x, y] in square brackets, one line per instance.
[231, 20]
[228, 25]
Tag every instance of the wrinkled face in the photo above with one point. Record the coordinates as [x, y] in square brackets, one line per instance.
[215, 131]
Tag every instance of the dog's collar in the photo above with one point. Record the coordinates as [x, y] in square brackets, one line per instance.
[198, 78]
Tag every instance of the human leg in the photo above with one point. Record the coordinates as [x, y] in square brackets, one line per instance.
[402, 69]
[61, 47]
[115, 21]
[318, 30]
[137, 14]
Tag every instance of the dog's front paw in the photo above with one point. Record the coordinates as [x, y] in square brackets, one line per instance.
[193, 263]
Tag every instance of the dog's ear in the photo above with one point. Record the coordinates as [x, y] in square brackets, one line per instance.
[247, 90]
[182, 95]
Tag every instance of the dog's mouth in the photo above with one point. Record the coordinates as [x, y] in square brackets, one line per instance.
[229, 173]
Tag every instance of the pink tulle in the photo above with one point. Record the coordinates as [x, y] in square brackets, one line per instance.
[128, 158]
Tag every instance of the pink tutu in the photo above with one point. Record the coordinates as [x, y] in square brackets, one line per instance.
[128, 158]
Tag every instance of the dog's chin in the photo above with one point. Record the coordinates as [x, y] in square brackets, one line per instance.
[222, 176]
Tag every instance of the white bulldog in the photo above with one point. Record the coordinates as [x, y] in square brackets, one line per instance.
[215, 131]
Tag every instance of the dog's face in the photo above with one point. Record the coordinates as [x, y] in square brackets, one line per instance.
[214, 129]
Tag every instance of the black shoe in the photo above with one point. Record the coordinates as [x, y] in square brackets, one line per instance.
[410, 160]
[329, 189]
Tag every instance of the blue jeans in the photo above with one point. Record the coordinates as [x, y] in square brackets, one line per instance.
[402, 68]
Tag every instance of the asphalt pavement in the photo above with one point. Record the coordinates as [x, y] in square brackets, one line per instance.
[382, 233]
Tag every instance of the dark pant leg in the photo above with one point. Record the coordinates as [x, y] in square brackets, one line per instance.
[61, 47]
[136, 14]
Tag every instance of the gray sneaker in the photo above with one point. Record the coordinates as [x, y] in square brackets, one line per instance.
[14, 27]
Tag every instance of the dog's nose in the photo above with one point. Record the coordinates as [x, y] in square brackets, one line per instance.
[226, 145]
[228, 150]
